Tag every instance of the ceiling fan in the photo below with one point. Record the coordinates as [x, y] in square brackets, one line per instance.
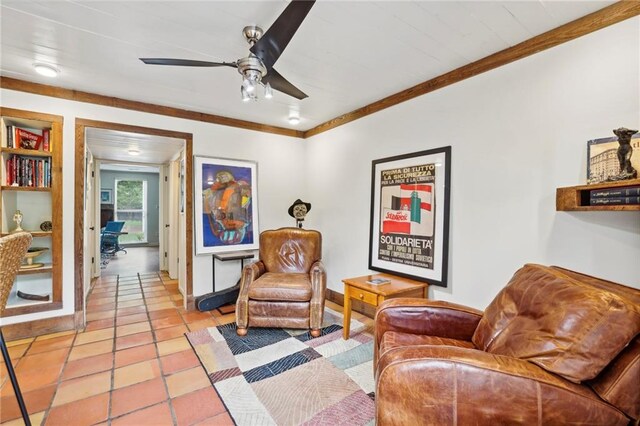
[266, 47]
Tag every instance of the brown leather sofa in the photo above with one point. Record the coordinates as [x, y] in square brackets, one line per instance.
[554, 347]
[286, 286]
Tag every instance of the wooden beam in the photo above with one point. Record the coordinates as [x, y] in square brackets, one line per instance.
[93, 98]
[602, 18]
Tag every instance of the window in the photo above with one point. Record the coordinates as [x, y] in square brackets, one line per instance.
[131, 207]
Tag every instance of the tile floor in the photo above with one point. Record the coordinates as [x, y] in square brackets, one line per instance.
[131, 365]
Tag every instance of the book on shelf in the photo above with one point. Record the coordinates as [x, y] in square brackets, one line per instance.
[626, 191]
[27, 171]
[613, 201]
[10, 133]
[27, 140]
[46, 145]
[378, 281]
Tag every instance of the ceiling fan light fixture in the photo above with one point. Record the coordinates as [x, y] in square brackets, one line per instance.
[248, 85]
[268, 91]
[244, 94]
[46, 69]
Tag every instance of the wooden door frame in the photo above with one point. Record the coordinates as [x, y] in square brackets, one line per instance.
[80, 128]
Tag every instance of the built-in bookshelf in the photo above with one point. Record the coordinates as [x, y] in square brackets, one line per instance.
[31, 184]
[577, 198]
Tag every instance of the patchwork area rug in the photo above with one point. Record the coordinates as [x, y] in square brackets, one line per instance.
[276, 376]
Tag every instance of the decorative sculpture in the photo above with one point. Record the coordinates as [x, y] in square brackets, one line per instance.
[299, 210]
[624, 154]
[17, 218]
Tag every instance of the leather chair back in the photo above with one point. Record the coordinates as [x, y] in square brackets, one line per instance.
[623, 373]
[287, 250]
[562, 324]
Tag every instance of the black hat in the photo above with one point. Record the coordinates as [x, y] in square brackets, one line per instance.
[295, 203]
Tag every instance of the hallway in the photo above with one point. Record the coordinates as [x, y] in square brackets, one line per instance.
[135, 260]
[131, 365]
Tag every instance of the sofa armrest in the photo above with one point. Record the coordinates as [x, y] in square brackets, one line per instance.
[250, 273]
[428, 317]
[452, 385]
[318, 277]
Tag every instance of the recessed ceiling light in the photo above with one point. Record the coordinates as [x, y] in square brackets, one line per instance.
[46, 70]
[134, 151]
[294, 119]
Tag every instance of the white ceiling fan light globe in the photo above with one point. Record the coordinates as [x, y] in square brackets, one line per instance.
[268, 91]
[244, 94]
[248, 85]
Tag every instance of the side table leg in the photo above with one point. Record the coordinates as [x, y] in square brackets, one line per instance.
[346, 313]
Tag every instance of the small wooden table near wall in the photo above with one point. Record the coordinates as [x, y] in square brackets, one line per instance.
[359, 289]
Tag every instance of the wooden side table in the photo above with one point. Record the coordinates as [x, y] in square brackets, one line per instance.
[359, 289]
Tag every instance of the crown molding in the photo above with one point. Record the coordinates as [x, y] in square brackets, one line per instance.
[93, 98]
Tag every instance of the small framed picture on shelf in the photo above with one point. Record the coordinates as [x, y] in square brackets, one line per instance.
[603, 162]
[106, 196]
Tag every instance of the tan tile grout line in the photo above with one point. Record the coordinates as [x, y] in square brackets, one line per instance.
[113, 369]
[59, 381]
[113, 350]
[162, 376]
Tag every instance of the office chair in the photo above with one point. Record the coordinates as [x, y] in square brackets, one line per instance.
[109, 235]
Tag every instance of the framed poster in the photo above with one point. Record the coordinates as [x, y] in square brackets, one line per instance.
[106, 196]
[226, 205]
[410, 215]
[603, 164]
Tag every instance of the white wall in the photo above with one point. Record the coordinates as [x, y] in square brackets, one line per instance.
[279, 168]
[517, 133]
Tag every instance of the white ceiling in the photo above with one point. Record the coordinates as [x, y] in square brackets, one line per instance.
[346, 54]
[114, 145]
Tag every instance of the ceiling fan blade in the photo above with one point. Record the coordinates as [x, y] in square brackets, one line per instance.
[186, 62]
[281, 84]
[271, 45]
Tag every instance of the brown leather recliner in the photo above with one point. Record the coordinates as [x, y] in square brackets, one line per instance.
[286, 286]
[554, 347]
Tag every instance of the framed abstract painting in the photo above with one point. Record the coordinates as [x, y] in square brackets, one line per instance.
[410, 215]
[226, 205]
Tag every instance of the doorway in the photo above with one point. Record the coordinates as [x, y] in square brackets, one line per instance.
[133, 197]
[120, 137]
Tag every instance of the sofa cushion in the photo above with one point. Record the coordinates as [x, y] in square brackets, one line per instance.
[281, 287]
[395, 339]
[553, 320]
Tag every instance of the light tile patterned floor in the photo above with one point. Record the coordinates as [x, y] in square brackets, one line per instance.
[131, 365]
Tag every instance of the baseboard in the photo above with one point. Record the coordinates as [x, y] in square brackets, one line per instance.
[356, 305]
[39, 327]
